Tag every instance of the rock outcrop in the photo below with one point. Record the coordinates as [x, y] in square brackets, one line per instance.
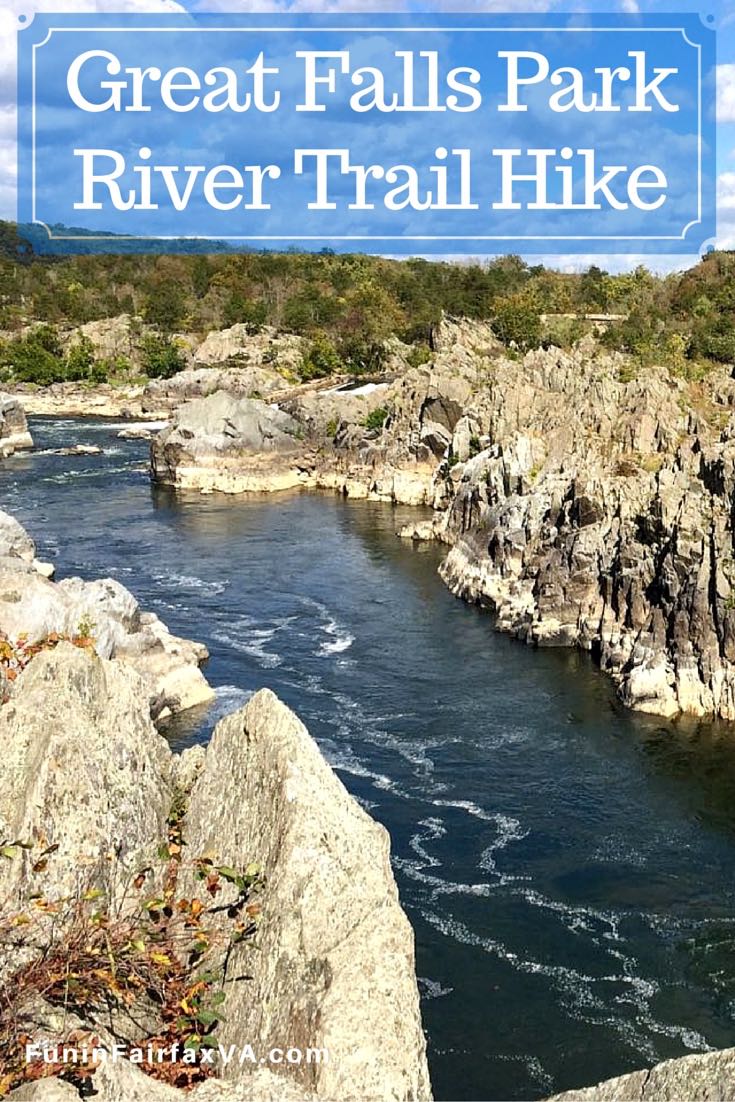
[33, 608]
[706, 1077]
[184, 386]
[335, 961]
[233, 445]
[240, 346]
[85, 770]
[610, 529]
[14, 434]
[586, 502]
[90, 783]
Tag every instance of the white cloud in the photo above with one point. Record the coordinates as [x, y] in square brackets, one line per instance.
[630, 6]
[726, 93]
[726, 210]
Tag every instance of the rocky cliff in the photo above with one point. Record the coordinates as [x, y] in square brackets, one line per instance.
[586, 502]
[98, 818]
[596, 512]
[36, 613]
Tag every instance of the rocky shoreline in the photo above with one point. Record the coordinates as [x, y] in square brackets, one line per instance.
[608, 528]
[585, 503]
[94, 806]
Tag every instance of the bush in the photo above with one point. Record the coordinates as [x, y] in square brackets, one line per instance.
[161, 357]
[80, 360]
[419, 354]
[715, 339]
[320, 360]
[376, 419]
[36, 357]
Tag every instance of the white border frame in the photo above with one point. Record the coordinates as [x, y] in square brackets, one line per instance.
[364, 237]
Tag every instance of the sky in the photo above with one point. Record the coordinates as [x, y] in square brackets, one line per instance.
[723, 13]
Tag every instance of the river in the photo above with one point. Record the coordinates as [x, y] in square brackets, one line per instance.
[567, 865]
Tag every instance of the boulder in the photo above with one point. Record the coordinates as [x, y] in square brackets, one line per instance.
[705, 1077]
[14, 540]
[334, 967]
[14, 434]
[84, 770]
[33, 608]
[229, 444]
[241, 382]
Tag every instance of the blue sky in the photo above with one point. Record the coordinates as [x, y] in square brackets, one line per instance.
[723, 13]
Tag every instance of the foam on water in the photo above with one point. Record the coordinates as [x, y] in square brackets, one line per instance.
[190, 582]
[339, 638]
[432, 989]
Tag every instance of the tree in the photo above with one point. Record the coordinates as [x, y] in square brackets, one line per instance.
[80, 359]
[162, 357]
[321, 359]
[517, 321]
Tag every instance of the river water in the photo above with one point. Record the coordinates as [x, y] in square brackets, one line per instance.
[567, 866]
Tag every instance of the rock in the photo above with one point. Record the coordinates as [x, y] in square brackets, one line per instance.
[125, 1082]
[14, 434]
[139, 433]
[45, 1090]
[33, 607]
[229, 444]
[610, 530]
[266, 348]
[240, 382]
[83, 769]
[79, 449]
[706, 1077]
[335, 965]
[78, 400]
[422, 531]
[14, 540]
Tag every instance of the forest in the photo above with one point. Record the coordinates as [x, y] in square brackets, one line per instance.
[349, 307]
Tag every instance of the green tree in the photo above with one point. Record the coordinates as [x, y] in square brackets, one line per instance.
[80, 359]
[161, 357]
[517, 321]
[320, 360]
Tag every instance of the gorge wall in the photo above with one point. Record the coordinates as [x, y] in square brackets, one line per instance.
[586, 502]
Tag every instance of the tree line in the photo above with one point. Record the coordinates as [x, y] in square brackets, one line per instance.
[349, 307]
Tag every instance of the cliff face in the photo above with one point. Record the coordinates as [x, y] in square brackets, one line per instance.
[597, 513]
[90, 794]
[335, 965]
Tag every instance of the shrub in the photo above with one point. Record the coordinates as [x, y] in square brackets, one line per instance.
[320, 360]
[161, 357]
[419, 354]
[36, 357]
[517, 321]
[80, 360]
[375, 419]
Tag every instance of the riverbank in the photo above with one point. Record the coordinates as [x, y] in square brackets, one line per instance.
[609, 530]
